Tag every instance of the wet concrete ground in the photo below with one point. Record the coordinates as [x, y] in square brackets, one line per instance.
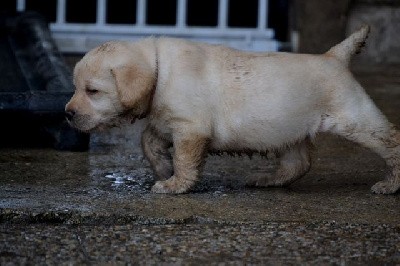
[96, 206]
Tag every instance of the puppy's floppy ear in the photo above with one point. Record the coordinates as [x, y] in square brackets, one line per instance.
[134, 85]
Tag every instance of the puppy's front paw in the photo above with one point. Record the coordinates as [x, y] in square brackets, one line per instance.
[386, 187]
[171, 186]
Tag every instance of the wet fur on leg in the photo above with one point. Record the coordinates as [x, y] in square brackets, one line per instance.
[392, 181]
[189, 158]
[155, 148]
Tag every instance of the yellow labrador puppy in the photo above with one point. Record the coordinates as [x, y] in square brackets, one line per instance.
[200, 97]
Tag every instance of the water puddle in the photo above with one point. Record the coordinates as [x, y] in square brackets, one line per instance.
[139, 180]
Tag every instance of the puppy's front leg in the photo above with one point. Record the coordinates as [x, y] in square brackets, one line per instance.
[156, 151]
[188, 159]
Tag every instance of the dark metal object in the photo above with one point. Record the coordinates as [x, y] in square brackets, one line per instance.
[35, 83]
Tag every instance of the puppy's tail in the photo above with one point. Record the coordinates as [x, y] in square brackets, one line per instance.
[351, 45]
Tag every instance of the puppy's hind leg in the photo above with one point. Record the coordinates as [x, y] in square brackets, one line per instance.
[294, 163]
[391, 154]
[385, 141]
[156, 151]
[365, 124]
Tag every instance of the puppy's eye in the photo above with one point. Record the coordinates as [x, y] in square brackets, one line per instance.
[90, 91]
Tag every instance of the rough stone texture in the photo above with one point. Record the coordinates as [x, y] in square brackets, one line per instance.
[383, 44]
[320, 24]
[378, 2]
[193, 244]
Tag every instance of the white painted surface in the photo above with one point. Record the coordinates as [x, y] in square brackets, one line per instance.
[81, 37]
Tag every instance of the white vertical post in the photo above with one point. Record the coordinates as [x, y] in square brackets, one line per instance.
[181, 14]
[141, 10]
[222, 13]
[101, 12]
[262, 14]
[61, 10]
[20, 5]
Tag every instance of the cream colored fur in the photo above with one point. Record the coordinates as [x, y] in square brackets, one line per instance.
[200, 97]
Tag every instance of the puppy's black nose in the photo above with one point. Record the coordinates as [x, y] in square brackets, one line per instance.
[69, 115]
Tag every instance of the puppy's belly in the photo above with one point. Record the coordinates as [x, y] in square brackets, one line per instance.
[262, 135]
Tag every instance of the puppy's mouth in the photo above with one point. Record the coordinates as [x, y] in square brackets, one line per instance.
[86, 124]
[129, 116]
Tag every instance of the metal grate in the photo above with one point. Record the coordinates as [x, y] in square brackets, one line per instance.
[73, 37]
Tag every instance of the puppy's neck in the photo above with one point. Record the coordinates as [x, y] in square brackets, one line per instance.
[156, 67]
[149, 48]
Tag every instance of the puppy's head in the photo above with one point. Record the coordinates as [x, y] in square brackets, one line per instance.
[113, 82]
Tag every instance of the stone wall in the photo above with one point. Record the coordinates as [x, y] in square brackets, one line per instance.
[322, 24]
[383, 44]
